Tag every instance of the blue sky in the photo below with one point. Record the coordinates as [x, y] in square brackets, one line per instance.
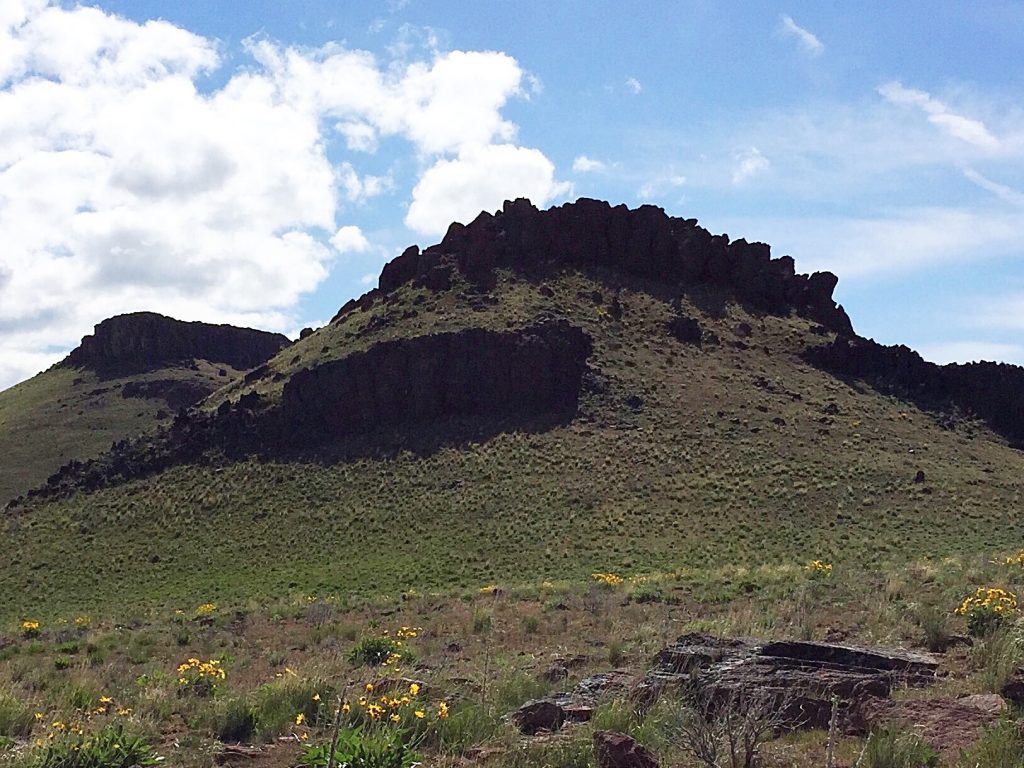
[257, 162]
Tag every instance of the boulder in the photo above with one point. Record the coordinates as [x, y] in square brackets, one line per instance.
[685, 329]
[617, 750]
[534, 716]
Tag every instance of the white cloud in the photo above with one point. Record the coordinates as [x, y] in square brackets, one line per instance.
[944, 352]
[808, 41]
[584, 164]
[748, 164]
[659, 185]
[964, 128]
[350, 239]
[633, 85]
[872, 247]
[1003, 192]
[123, 187]
[480, 179]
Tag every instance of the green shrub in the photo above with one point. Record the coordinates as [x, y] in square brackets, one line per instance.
[997, 656]
[359, 748]
[890, 748]
[482, 621]
[233, 719]
[109, 748]
[373, 651]
[935, 625]
[61, 662]
[68, 648]
[16, 718]
[278, 704]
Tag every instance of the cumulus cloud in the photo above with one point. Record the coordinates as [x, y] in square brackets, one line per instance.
[350, 239]
[480, 178]
[748, 164]
[808, 41]
[939, 114]
[633, 85]
[584, 164]
[123, 186]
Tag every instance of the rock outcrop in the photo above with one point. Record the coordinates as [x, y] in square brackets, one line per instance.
[801, 676]
[645, 243]
[143, 341]
[511, 379]
[989, 391]
[465, 373]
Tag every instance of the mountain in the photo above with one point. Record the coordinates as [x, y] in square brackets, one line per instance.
[131, 375]
[543, 394]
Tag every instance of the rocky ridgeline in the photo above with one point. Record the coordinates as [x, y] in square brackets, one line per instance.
[993, 392]
[143, 341]
[512, 377]
[644, 243]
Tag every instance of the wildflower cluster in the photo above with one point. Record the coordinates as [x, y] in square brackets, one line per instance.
[1015, 559]
[71, 746]
[29, 629]
[987, 609]
[200, 677]
[206, 610]
[384, 651]
[819, 569]
[607, 579]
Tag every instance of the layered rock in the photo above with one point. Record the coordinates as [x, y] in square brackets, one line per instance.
[990, 391]
[465, 373]
[510, 378]
[644, 242]
[143, 341]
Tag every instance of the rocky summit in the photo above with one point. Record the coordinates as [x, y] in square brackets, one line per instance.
[141, 341]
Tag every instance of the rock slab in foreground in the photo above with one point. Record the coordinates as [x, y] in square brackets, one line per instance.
[801, 676]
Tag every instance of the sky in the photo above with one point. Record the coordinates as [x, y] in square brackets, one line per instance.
[256, 161]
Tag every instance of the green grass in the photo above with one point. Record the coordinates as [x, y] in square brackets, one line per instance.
[700, 477]
[64, 414]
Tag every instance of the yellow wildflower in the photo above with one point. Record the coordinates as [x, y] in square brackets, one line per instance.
[420, 714]
[414, 689]
[300, 718]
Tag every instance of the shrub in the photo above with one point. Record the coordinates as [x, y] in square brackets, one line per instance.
[200, 677]
[108, 748]
[374, 651]
[935, 626]
[358, 748]
[279, 704]
[890, 748]
[987, 610]
[233, 719]
[16, 718]
[997, 658]
[30, 629]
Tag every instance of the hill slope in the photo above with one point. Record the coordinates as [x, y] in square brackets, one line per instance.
[697, 434]
[130, 376]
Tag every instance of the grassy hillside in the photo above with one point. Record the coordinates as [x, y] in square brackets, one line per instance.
[733, 453]
[68, 413]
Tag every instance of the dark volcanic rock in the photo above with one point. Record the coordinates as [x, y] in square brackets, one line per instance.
[644, 242]
[800, 676]
[536, 716]
[476, 371]
[142, 341]
[617, 750]
[505, 379]
[990, 391]
[177, 394]
[685, 329]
